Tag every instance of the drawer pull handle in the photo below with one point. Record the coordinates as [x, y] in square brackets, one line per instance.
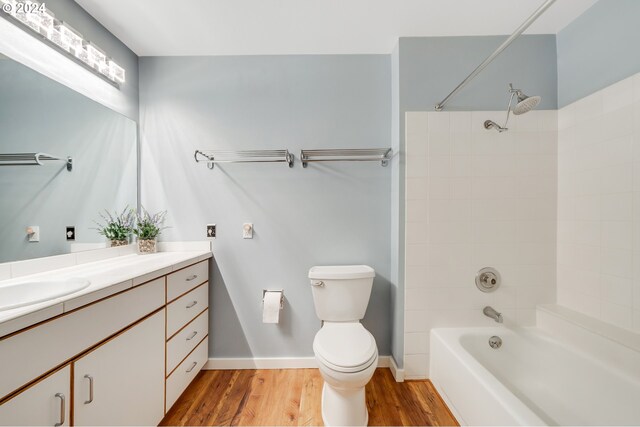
[192, 304]
[192, 367]
[63, 409]
[193, 335]
[193, 277]
[90, 378]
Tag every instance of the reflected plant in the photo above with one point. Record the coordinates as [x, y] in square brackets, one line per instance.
[117, 226]
[148, 226]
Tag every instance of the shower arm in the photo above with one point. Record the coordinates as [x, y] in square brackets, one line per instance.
[513, 92]
[497, 52]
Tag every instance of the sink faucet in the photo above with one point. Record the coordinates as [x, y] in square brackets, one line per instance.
[491, 312]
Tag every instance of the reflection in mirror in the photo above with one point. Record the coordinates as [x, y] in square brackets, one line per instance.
[39, 115]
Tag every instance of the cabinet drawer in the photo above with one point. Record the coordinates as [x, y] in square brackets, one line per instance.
[186, 372]
[29, 354]
[186, 279]
[184, 341]
[187, 307]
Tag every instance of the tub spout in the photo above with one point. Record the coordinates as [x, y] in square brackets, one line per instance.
[492, 313]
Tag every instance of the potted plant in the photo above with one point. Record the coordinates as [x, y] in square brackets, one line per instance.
[148, 228]
[117, 227]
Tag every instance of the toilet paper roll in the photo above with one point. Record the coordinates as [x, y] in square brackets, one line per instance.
[271, 307]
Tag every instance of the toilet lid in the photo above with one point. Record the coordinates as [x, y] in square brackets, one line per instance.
[346, 347]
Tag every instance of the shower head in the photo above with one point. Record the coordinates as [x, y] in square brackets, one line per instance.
[524, 104]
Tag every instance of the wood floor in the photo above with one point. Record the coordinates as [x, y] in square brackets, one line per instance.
[291, 397]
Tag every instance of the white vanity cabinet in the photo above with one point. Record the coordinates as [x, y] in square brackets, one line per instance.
[121, 360]
[121, 382]
[46, 402]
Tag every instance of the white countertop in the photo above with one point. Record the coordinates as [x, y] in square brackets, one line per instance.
[107, 277]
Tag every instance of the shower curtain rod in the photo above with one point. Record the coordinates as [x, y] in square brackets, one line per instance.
[497, 52]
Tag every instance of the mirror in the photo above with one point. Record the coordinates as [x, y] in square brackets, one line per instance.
[39, 115]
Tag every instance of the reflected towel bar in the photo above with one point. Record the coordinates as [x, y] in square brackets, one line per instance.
[246, 156]
[32, 159]
[381, 155]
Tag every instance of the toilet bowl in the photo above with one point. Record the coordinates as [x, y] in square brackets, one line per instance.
[346, 353]
[347, 358]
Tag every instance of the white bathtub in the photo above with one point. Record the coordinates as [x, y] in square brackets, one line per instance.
[533, 379]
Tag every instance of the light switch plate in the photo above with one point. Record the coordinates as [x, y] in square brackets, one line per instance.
[33, 233]
[247, 230]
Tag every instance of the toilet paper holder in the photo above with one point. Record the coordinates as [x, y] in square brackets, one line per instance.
[264, 291]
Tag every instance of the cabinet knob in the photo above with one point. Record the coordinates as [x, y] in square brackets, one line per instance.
[192, 366]
[192, 277]
[192, 304]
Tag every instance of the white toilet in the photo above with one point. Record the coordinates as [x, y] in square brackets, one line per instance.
[346, 352]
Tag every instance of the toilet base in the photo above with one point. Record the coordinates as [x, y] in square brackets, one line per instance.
[344, 407]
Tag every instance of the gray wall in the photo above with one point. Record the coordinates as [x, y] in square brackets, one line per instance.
[91, 29]
[598, 49]
[40, 115]
[335, 213]
[431, 67]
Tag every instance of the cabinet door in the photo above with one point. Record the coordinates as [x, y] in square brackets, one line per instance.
[46, 402]
[122, 381]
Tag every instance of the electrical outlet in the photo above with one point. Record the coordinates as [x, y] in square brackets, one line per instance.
[211, 231]
[71, 232]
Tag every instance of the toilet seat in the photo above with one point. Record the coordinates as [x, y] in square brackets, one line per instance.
[345, 347]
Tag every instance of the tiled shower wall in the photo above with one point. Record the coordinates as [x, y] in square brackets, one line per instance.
[477, 198]
[599, 204]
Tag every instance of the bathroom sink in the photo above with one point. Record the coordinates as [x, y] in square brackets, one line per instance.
[28, 293]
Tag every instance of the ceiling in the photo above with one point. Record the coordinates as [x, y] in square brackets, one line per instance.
[279, 27]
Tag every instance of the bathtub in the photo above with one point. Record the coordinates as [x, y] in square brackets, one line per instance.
[534, 378]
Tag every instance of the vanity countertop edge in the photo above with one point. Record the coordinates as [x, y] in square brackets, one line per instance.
[107, 277]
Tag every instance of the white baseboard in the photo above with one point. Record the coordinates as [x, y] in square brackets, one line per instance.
[277, 363]
[398, 373]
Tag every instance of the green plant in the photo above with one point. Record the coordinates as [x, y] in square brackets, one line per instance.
[117, 226]
[149, 226]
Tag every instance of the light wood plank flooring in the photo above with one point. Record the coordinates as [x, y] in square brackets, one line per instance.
[291, 397]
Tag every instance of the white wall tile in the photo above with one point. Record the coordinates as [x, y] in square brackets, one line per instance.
[617, 235]
[598, 142]
[461, 143]
[416, 366]
[491, 200]
[416, 188]
[415, 321]
[416, 343]
[617, 290]
[416, 276]
[615, 207]
[617, 95]
[439, 143]
[416, 233]
[460, 121]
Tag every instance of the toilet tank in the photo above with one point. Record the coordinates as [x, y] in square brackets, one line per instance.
[341, 293]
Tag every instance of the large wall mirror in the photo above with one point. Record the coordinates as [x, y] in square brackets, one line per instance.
[39, 115]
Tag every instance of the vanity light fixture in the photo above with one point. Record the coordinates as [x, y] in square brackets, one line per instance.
[42, 21]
